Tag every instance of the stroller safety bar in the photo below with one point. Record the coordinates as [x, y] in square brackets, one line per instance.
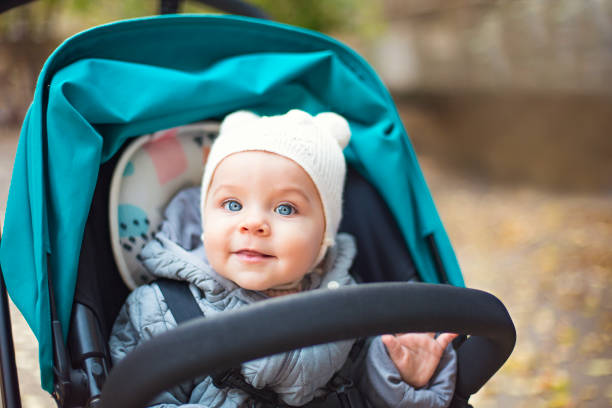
[277, 325]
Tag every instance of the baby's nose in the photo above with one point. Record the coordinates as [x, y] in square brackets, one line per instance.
[255, 226]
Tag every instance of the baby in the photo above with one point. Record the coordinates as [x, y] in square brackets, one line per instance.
[271, 203]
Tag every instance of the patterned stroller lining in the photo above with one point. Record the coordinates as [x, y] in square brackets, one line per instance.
[150, 171]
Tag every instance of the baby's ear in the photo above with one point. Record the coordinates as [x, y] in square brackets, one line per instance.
[237, 120]
[337, 126]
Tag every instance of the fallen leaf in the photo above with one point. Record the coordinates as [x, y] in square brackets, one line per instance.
[592, 343]
[588, 393]
[609, 394]
[599, 367]
[544, 320]
[560, 401]
[548, 259]
[566, 335]
[592, 305]
[554, 381]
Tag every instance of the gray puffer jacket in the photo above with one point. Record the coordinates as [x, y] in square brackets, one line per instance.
[297, 376]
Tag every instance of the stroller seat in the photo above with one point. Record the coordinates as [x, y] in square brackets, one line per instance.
[131, 180]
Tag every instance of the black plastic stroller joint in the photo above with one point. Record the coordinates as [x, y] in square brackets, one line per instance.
[79, 377]
[88, 352]
[61, 367]
[205, 345]
[79, 380]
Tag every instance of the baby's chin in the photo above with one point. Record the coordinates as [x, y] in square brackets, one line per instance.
[259, 284]
[257, 279]
[254, 285]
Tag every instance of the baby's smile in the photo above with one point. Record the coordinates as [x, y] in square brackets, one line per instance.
[251, 256]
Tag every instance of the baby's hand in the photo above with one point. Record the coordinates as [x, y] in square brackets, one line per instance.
[416, 355]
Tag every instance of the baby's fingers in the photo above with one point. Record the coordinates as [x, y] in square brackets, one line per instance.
[411, 340]
[394, 348]
[445, 338]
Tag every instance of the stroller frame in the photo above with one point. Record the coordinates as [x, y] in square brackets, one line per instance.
[85, 383]
[8, 369]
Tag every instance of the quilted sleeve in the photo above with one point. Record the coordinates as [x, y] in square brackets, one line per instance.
[382, 384]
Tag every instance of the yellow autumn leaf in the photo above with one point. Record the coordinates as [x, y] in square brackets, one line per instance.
[560, 401]
[609, 394]
[599, 367]
[566, 335]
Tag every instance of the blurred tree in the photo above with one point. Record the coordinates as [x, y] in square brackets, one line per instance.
[325, 16]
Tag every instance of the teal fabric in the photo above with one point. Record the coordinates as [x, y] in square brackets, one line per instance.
[113, 82]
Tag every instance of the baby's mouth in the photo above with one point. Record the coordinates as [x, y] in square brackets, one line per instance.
[250, 255]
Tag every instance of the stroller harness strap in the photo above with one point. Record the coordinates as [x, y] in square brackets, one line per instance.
[184, 307]
[179, 299]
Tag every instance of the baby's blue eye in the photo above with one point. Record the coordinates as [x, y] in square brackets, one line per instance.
[285, 209]
[232, 205]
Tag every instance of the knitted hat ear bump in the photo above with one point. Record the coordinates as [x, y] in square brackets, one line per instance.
[236, 121]
[337, 127]
[314, 143]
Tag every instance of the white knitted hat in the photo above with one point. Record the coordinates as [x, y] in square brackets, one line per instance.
[314, 143]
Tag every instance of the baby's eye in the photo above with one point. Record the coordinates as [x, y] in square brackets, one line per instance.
[285, 209]
[232, 205]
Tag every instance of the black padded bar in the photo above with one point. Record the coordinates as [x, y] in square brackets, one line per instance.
[474, 370]
[217, 343]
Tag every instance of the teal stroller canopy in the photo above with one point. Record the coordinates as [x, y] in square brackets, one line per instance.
[108, 84]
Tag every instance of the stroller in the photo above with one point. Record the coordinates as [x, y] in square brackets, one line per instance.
[103, 87]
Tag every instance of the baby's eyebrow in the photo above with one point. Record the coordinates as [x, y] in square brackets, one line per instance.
[281, 190]
[222, 187]
[296, 190]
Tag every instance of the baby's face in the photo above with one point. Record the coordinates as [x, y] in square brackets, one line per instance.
[263, 220]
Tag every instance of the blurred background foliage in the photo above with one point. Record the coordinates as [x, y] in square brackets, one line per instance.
[29, 33]
[330, 15]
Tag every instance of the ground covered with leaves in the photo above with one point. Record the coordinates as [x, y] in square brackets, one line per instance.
[547, 256]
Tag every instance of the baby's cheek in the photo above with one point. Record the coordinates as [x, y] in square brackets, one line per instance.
[212, 246]
[306, 251]
[216, 260]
